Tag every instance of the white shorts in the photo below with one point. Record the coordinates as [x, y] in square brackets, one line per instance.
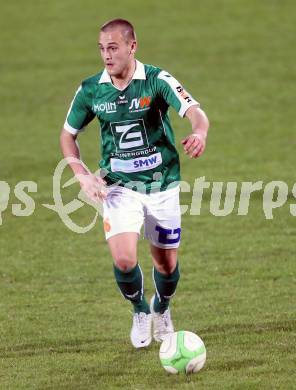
[126, 210]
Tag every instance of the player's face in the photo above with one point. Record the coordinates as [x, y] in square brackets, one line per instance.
[116, 52]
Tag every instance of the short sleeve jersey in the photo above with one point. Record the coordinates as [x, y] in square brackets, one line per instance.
[136, 134]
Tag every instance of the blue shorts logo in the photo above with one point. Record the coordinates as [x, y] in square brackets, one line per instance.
[164, 233]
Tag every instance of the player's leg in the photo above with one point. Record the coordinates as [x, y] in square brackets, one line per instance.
[127, 271]
[165, 276]
[162, 228]
[123, 218]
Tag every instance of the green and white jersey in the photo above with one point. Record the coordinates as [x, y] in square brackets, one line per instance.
[136, 134]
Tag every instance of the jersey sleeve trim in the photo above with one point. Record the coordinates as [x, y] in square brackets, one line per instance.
[78, 115]
[184, 98]
[71, 129]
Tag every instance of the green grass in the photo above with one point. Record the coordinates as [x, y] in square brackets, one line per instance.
[63, 324]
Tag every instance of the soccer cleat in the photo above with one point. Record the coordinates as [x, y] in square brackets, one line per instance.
[141, 330]
[162, 323]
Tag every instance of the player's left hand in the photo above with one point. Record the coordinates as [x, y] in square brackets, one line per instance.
[194, 145]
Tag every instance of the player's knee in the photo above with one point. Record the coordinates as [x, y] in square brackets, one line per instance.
[125, 263]
[168, 268]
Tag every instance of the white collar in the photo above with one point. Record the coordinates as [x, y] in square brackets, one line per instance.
[139, 74]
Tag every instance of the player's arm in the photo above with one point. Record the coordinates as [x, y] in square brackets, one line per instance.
[93, 186]
[176, 96]
[70, 149]
[79, 115]
[194, 144]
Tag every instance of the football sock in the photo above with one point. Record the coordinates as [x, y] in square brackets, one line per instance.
[131, 285]
[165, 286]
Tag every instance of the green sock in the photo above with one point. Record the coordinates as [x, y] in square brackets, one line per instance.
[131, 286]
[165, 286]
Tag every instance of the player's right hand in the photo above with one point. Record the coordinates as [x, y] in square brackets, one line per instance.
[93, 186]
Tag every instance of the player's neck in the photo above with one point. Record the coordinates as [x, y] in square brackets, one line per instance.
[121, 81]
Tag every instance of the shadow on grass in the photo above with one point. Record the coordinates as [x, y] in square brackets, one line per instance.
[255, 328]
[236, 365]
[95, 344]
[84, 346]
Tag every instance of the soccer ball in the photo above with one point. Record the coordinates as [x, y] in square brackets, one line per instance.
[182, 351]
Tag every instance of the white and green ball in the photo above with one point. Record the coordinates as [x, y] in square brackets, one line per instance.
[182, 351]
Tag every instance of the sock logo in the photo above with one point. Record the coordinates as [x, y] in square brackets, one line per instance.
[168, 236]
[132, 295]
[169, 296]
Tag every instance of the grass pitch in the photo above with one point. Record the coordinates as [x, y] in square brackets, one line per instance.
[63, 324]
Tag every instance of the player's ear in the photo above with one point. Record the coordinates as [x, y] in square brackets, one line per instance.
[133, 47]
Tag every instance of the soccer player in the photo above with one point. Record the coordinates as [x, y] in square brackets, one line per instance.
[140, 166]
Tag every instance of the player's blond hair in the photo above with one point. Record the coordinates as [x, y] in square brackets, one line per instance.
[125, 26]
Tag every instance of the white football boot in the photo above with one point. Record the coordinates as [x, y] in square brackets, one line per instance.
[162, 323]
[141, 330]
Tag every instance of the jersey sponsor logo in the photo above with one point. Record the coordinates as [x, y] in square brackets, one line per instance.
[136, 153]
[136, 164]
[105, 107]
[129, 139]
[168, 236]
[140, 104]
[122, 100]
[129, 135]
[183, 94]
[146, 162]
